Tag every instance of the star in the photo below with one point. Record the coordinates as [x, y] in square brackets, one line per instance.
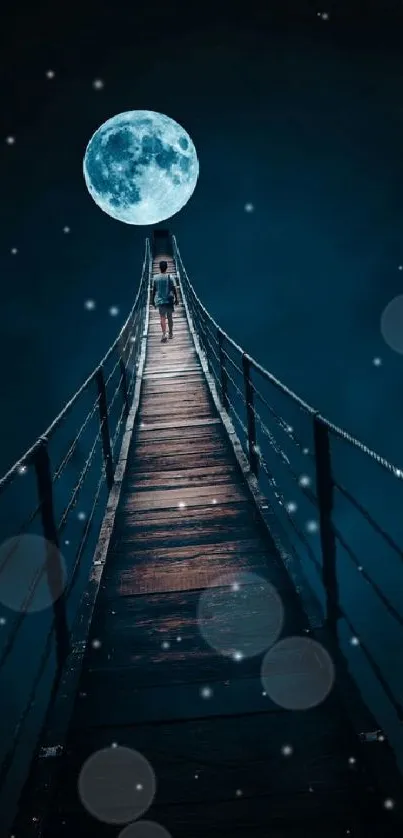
[14, 251]
[304, 480]
[50, 74]
[66, 229]
[249, 207]
[312, 526]
[286, 750]
[81, 516]
[291, 507]
[377, 362]
[97, 84]
[206, 692]
[113, 311]
[89, 305]
[10, 140]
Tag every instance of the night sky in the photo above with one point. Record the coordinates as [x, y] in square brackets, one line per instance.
[299, 115]
[296, 109]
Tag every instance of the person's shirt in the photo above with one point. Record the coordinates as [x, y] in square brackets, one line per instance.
[164, 287]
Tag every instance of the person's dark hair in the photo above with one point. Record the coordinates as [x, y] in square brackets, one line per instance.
[163, 266]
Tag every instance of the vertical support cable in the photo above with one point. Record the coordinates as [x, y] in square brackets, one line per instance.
[223, 372]
[324, 491]
[54, 569]
[103, 418]
[253, 458]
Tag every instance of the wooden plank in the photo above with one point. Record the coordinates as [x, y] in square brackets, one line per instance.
[168, 479]
[191, 496]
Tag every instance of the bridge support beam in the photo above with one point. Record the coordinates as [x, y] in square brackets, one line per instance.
[324, 492]
[250, 416]
[223, 372]
[103, 418]
[54, 569]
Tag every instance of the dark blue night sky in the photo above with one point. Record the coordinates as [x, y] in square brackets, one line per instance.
[296, 110]
[300, 116]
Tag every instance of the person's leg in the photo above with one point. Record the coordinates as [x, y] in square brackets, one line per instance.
[163, 319]
[170, 320]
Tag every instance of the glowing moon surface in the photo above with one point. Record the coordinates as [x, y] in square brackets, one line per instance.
[140, 167]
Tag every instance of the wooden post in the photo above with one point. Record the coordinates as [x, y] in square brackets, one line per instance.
[223, 372]
[103, 418]
[253, 458]
[54, 568]
[324, 491]
[123, 386]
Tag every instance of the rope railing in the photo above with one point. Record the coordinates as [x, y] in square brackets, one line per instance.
[239, 381]
[123, 355]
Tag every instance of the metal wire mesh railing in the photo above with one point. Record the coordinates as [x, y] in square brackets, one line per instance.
[45, 561]
[350, 545]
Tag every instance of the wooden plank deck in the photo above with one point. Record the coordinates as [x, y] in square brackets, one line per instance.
[184, 519]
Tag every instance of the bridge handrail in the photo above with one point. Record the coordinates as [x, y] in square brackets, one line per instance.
[213, 340]
[27, 457]
[127, 346]
[336, 430]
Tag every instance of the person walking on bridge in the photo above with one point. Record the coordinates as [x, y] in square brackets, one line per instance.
[164, 295]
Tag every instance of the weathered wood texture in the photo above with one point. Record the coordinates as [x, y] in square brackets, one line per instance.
[186, 518]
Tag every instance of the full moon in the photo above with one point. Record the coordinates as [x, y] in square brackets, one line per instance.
[140, 167]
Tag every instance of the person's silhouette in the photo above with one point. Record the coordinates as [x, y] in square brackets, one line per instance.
[164, 295]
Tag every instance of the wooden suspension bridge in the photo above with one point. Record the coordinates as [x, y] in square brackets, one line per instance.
[185, 515]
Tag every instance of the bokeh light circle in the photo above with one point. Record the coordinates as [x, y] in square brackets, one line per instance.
[392, 324]
[24, 583]
[117, 785]
[297, 673]
[144, 829]
[241, 615]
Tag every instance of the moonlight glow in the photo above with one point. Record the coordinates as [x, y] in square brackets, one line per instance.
[141, 167]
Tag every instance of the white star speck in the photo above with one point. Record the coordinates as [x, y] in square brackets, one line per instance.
[2, 621]
[10, 140]
[249, 207]
[312, 526]
[389, 803]
[97, 84]
[237, 656]
[113, 311]
[304, 480]
[377, 362]
[50, 74]
[354, 641]
[287, 750]
[14, 251]
[291, 507]
[206, 692]
[22, 469]
[89, 305]
[96, 644]
[165, 644]
[66, 229]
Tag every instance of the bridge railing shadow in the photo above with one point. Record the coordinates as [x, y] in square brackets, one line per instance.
[52, 503]
[327, 492]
